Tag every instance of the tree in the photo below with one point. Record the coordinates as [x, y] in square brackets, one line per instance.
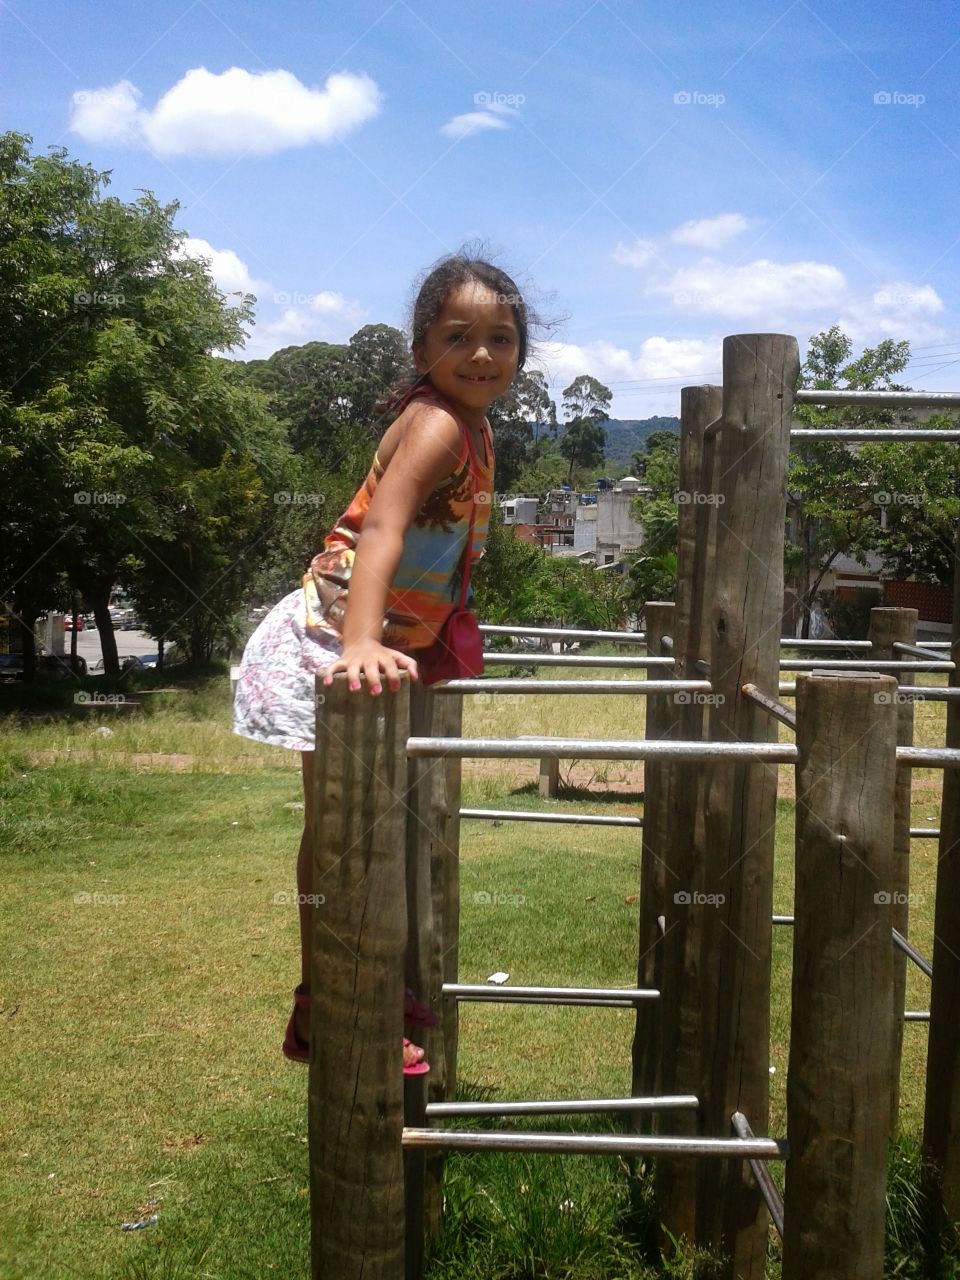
[113, 399]
[658, 465]
[830, 483]
[587, 404]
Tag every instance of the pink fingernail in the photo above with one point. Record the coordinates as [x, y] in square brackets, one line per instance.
[375, 689]
[354, 685]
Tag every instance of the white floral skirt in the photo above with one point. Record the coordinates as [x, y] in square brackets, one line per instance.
[275, 698]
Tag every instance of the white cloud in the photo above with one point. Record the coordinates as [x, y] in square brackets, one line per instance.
[710, 233]
[305, 317]
[896, 310]
[229, 271]
[232, 113]
[656, 357]
[472, 122]
[637, 254]
[760, 290]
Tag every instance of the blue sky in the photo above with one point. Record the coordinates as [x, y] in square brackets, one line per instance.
[656, 175]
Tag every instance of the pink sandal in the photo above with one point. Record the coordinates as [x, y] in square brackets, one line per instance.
[298, 1050]
[416, 1013]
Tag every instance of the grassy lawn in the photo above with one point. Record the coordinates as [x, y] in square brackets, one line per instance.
[148, 972]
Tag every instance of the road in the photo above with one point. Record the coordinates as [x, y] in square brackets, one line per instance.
[129, 643]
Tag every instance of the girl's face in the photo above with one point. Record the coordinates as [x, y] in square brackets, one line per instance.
[470, 350]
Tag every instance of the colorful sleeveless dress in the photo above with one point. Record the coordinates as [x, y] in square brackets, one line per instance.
[274, 700]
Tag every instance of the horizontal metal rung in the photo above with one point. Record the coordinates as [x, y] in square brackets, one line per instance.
[583, 819]
[562, 1106]
[548, 995]
[605, 749]
[528, 685]
[924, 833]
[600, 1144]
[916, 1015]
[570, 660]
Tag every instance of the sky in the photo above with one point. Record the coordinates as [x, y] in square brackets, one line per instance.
[654, 177]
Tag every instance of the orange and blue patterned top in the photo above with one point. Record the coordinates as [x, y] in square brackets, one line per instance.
[427, 585]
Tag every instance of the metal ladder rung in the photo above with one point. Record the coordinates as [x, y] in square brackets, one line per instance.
[606, 996]
[561, 1106]
[601, 1144]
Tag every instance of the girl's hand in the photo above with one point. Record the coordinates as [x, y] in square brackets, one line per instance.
[369, 658]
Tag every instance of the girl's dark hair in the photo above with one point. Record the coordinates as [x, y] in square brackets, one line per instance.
[435, 287]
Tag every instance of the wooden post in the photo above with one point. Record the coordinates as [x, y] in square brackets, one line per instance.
[658, 620]
[549, 784]
[941, 1119]
[759, 376]
[359, 938]
[841, 1039]
[684, 849]
[887, 627]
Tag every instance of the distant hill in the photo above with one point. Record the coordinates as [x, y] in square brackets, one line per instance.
[626, 435]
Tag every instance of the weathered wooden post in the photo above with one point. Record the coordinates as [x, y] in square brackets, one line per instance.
[759, 376]
[359, 940]
[841, 1039]
[684, 853]
[941, 1119]
[887, 628]
[658, 620]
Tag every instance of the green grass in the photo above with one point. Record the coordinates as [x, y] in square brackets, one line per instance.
[140, 1027]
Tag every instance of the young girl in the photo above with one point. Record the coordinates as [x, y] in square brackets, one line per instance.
[408, 526]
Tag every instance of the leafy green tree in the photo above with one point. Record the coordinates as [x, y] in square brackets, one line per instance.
[586, 402]
[658, 465]
[113, 399]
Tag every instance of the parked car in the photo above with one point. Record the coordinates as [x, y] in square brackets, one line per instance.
[11, 667]
[68, 622]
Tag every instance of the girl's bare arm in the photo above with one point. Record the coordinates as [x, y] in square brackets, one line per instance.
[427, 454]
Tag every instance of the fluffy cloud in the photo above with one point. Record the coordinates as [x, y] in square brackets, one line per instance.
[637, 254]
[232, 113]
[896, 310]
[710, 233]
[314, 317]
[472, 122]
[762, 290]
[655, 358]
[230, 272]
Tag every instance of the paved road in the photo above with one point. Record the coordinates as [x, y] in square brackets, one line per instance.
[134, 643]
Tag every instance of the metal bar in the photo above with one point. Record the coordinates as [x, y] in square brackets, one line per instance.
[879, 399]
[768, 1188]
[860, 664]
[783, 919]
[917, 650]
[561, 1107]
[601, 1144]
[908, 949]
[782, 713]
[666, 642]
[924, 833]
[579, 819]
[529, 685]
[786, 643]
[916, 1015]
[564, 633]
[570, 660]
[599, 749]
[928, 693]
[929, 757]
[485, 992]
[948, 435]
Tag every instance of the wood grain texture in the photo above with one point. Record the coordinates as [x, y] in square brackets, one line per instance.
[359, 940]
[941, 1121]
[888, 627]
[684, 851]
[759, 374]
[841, 1040]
